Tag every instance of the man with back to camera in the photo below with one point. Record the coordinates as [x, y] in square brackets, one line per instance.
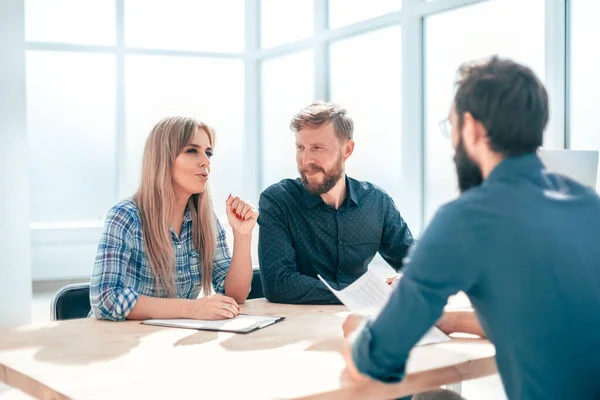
[520, 241]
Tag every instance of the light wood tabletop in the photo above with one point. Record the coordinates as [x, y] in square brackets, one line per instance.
[297, 358]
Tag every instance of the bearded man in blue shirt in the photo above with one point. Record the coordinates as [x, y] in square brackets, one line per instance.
[520, 241]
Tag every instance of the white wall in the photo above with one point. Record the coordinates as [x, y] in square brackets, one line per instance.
[63, 253]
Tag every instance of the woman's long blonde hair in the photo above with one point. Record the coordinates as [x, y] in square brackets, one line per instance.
[156, 196]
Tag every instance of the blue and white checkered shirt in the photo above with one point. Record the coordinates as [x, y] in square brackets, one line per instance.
[122, 272]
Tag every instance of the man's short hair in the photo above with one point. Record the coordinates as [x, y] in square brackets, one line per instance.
[508, 99]
[321, 113]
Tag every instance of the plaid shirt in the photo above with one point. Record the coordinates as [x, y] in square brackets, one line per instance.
[122, 273]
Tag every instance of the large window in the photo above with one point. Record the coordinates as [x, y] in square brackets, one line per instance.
[452, 38]
[70, 21]
[102, 74]
[287, 86]
[71, 124]
[346, 12]
[286, 21]
[370, 88]
[584, 127]
[211, 90]
[201, 25]
[90, 106]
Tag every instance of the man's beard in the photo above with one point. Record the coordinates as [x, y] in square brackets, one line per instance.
[331, 177]
[469, 173]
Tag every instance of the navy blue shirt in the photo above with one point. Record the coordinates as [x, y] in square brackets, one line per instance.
[524, 246]
[301, 236]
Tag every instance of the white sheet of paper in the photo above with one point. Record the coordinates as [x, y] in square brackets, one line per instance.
[369, 294]
[241, 323]
[366, 296]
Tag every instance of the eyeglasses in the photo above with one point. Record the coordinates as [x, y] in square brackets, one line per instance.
[446, 127]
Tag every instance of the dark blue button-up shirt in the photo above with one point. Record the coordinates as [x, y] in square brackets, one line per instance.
[301, 236]
[524, 246]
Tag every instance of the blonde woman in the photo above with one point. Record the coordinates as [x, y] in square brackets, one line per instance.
[159, 249]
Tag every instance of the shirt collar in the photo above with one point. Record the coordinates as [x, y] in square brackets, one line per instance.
[311, 200]
[187, 216]
[351, 186]
[517, 165]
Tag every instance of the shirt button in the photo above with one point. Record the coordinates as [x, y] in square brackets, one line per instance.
[193, 260]
[180, 272]
[341, 242]
[178, 246]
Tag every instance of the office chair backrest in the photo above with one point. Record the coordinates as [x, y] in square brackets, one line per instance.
[256, 289]
[71, 302]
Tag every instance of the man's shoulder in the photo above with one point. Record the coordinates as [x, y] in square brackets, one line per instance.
[280, 198]
[283, 186]
[466, 208]
[282, 189]
[372, 194]
[365, 188]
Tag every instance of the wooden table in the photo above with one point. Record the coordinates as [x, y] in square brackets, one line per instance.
[297, 358]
